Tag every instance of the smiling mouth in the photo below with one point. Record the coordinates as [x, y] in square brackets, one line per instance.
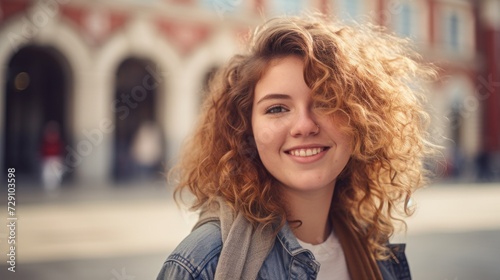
[306, 152]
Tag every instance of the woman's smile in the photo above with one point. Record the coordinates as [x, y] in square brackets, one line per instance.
[307, 154]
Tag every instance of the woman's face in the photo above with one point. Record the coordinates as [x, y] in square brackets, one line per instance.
[298, 153]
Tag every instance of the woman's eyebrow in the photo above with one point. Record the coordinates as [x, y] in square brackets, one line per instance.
[274, 96]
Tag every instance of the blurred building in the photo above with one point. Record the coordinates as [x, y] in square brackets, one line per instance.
[109, 71]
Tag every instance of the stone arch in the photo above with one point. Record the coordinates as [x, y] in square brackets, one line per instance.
[213, 53]
[51, 33]
[139, 40]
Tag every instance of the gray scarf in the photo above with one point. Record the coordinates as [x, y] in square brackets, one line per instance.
[244, 248]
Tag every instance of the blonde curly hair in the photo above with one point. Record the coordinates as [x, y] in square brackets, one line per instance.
[360, 70]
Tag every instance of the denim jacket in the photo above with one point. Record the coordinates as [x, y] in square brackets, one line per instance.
[197, 256]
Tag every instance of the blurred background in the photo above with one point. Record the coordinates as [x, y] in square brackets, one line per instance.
[96, 98]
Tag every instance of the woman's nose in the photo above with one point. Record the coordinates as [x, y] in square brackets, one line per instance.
[304, 125]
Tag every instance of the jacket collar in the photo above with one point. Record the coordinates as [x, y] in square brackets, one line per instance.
[290, 243]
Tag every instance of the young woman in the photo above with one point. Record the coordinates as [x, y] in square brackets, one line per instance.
[308, 147]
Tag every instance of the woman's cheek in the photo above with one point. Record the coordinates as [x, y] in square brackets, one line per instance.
[264, 132]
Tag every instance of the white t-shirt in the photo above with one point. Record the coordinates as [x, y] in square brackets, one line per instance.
[331, 258]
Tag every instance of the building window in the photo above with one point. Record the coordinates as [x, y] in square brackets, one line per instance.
[404, 19]
[142, 2]
[404, 29]
[286, 7]
[410, 19]
[453, 31]
[453, 36]
[355, 10]
[221, 7]
[349, 9]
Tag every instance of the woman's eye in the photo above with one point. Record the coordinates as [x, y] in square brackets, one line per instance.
[276, 109]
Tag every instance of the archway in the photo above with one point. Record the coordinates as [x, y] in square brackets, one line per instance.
[37, 91]
[139, 140]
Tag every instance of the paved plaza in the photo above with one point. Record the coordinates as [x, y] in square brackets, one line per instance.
[125, 232]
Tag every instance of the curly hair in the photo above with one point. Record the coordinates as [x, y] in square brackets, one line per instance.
[361, 71]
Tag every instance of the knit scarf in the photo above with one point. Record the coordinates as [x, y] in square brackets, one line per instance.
[245, 248]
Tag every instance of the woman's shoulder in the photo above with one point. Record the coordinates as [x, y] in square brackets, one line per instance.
[196, 256]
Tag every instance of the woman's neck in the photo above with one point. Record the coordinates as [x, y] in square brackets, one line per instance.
[312, 209]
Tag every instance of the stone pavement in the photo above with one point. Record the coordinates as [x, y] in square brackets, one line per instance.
[116, 229]
[455, 208]
[97, 222]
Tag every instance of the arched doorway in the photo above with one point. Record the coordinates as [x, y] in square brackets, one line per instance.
[139, 140]
[37, 91]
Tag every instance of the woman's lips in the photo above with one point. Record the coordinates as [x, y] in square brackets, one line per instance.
[307, 155]
[306, 152]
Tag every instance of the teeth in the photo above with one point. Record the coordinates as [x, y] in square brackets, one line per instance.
[306, 152]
